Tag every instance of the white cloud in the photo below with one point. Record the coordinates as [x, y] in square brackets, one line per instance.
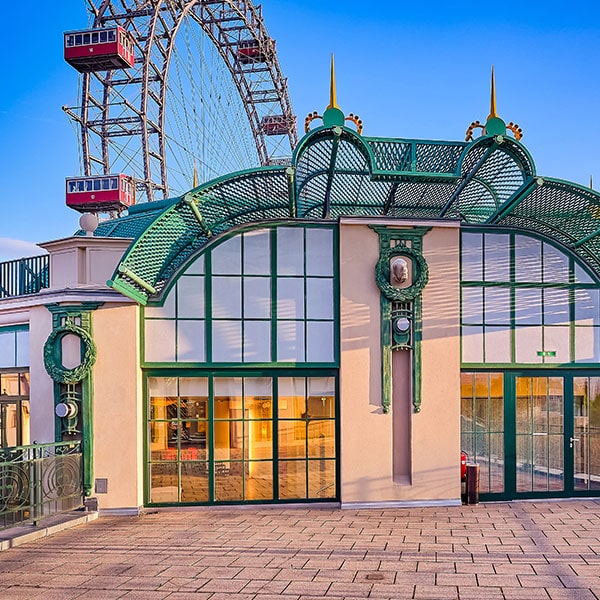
[11, 249]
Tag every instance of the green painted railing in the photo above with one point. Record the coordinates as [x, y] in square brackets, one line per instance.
[39, 481]
[24, 276]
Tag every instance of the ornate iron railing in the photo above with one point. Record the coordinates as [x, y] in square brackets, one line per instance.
[39, 481]
[24, 276]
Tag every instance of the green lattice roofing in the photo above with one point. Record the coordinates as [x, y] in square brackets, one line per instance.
[336, 172]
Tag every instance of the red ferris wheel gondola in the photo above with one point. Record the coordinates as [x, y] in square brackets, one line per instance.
[99, 49]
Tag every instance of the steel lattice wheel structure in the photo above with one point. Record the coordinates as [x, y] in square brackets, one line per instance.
[192, 99]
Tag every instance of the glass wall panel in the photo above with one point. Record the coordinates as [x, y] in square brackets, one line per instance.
[257, 252]
[319, 341]
[587, 344]
[321, 479]
[292, 401]
[257, 297]
[498, 344]
[472, 344]
[497, 306]
[319, 298]
[556, 307]
[587, 307]
[292, 479]
[226, 298]
[7, 349]
[557, 340]
[257, 341]
[166, 311]
[581, 275]
[556, 265]
[190, 297]
[259, 481]
[164, 483]
[497, 257]
[227, 341]
[528, 342]
[472, 305]
[292, 439]
[196, 267]
[290, 298]
[290, 251]
[290, 341]
[321, 439]
[319, 251]
[227, 257]
[528, 306]
[194, 482]
[472, 256]
[190, 341]
[159, 341]
[22, 349]
[528, 259]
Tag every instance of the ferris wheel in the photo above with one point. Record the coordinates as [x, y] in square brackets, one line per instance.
[179, 88]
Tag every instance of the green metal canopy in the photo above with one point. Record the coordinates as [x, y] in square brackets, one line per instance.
[336, 172]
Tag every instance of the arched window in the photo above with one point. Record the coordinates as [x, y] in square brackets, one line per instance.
[260, 296]
[526, 301]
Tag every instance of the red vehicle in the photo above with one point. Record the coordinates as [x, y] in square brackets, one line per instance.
[100, 193]
[274, 125]
[99, 49]
[254, 51]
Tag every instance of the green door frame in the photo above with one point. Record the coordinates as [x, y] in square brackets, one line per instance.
[509, 377]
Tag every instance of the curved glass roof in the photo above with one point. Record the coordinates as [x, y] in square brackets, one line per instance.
[336, 172]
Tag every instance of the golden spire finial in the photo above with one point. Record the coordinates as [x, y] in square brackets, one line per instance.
[493, 114]
[332, 98]
[591, 183]
[195, 181]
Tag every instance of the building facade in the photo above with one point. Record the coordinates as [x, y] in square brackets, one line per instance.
[336, 331]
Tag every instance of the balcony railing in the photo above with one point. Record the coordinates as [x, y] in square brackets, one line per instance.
[39, 481]
[24, 276]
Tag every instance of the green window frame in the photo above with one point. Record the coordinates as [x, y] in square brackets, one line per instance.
[526, 301]
[249, 313]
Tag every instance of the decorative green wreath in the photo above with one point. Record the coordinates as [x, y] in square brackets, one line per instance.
[382, 273]
[52, 360]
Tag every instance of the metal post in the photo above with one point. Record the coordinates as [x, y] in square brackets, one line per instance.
[472, 484]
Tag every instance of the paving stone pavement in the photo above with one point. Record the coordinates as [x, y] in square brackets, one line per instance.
[515, 550]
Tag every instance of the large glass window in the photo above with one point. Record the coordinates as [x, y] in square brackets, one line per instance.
[261, 296]
[526, 301]
[218, 439]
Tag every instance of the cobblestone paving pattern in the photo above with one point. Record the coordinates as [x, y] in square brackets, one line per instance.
[517, 550]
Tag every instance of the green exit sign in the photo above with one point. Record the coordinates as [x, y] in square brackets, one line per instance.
[546, 353]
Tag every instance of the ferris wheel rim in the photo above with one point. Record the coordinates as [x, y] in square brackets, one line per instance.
[254, 29]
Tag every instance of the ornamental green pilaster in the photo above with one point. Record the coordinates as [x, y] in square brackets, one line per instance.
[401, 273]
[73, 389]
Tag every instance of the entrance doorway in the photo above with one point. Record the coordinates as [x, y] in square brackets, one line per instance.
[533, 436]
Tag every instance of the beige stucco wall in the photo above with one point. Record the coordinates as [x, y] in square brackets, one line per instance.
[401, 456]
[118, 415]
[41, 396]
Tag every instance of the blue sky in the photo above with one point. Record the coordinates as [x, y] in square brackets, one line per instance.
[417, 70]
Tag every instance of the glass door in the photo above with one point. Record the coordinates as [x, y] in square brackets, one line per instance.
[539, 435]
[584, 441]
